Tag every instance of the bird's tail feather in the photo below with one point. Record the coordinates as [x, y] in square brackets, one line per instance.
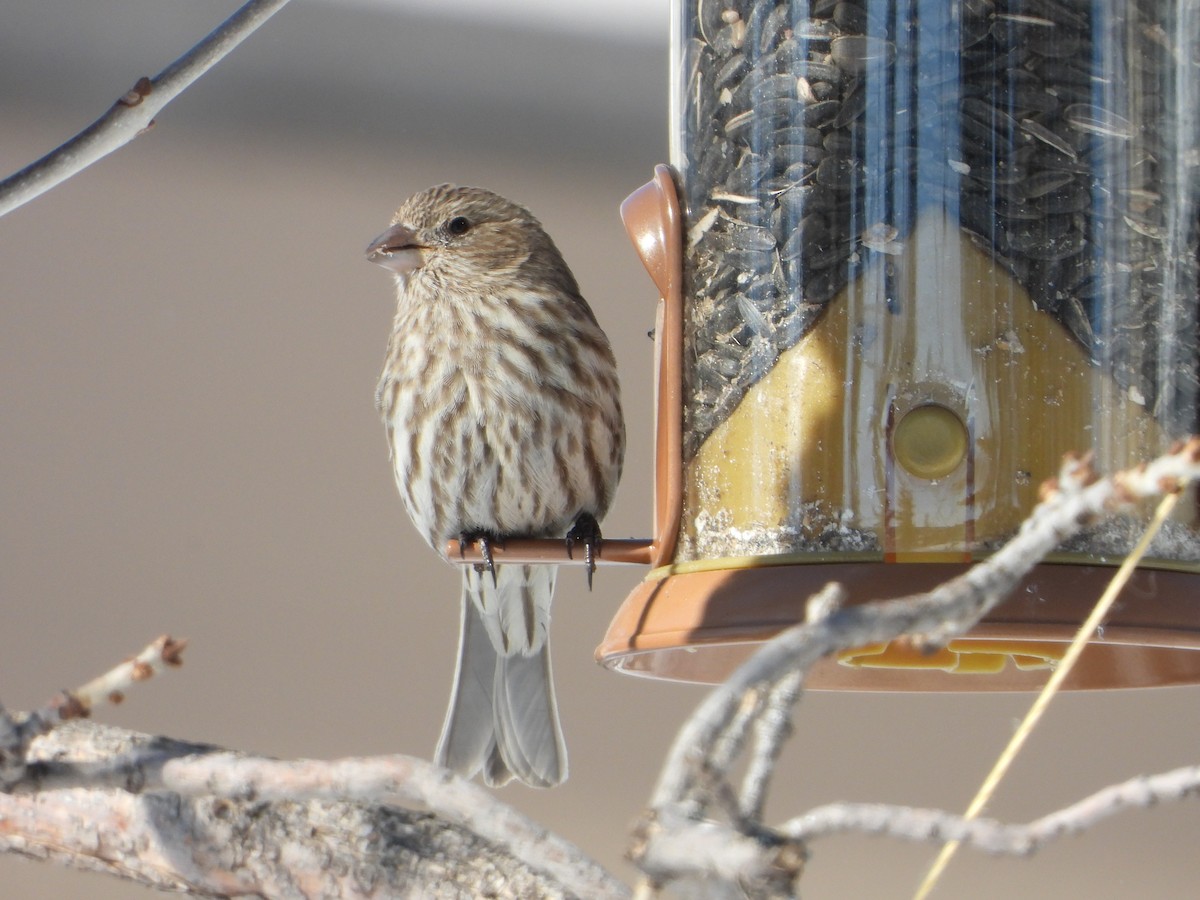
[466, 739]
[503, 719]
[525, 715]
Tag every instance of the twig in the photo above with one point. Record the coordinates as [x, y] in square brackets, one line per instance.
[162, 653]
[686, 849]
[771, 732]
[18, 732]
[133, 113]
[774, 726]
[936, 826]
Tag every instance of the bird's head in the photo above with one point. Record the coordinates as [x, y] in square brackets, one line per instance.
[454, 235]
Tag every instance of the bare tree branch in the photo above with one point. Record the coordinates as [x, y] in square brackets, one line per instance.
[774, 726]
[688, 849]
[133, 113]
[692, 786]
[771, 732]
[1078, 497]
[672, 848]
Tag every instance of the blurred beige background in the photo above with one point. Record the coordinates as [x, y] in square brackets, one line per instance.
[188, 351]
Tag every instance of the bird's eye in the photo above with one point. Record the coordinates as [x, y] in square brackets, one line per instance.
[459, 225]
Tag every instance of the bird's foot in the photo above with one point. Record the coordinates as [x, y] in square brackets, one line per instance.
[586, 531]
[486, 541]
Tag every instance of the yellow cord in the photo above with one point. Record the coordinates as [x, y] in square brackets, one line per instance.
[1061, 671]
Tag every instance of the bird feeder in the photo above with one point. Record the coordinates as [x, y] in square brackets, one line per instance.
[910, 255]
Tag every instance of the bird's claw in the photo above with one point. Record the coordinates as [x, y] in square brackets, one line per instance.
[586, 531]
[485, 542]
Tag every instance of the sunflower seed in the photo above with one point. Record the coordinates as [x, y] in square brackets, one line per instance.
[1044, 134]
[1039, 184]
[809, 230]
[854, 53]
[773, 87]
[1097, 120]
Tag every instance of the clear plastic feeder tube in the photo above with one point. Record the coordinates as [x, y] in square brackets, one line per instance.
[931, 246]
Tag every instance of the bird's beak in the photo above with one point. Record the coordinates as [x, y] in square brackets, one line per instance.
[396, 249]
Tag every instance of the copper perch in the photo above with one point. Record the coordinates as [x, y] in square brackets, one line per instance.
[628, 551]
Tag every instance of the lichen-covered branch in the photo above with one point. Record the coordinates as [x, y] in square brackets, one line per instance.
[194, 818]
[133, 113]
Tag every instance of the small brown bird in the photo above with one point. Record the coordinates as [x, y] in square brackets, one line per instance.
[499, 394]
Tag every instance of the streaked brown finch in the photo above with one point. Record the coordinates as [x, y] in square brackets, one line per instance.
[499, 395]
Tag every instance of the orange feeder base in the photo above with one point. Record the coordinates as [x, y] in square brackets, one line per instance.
[697, 626]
